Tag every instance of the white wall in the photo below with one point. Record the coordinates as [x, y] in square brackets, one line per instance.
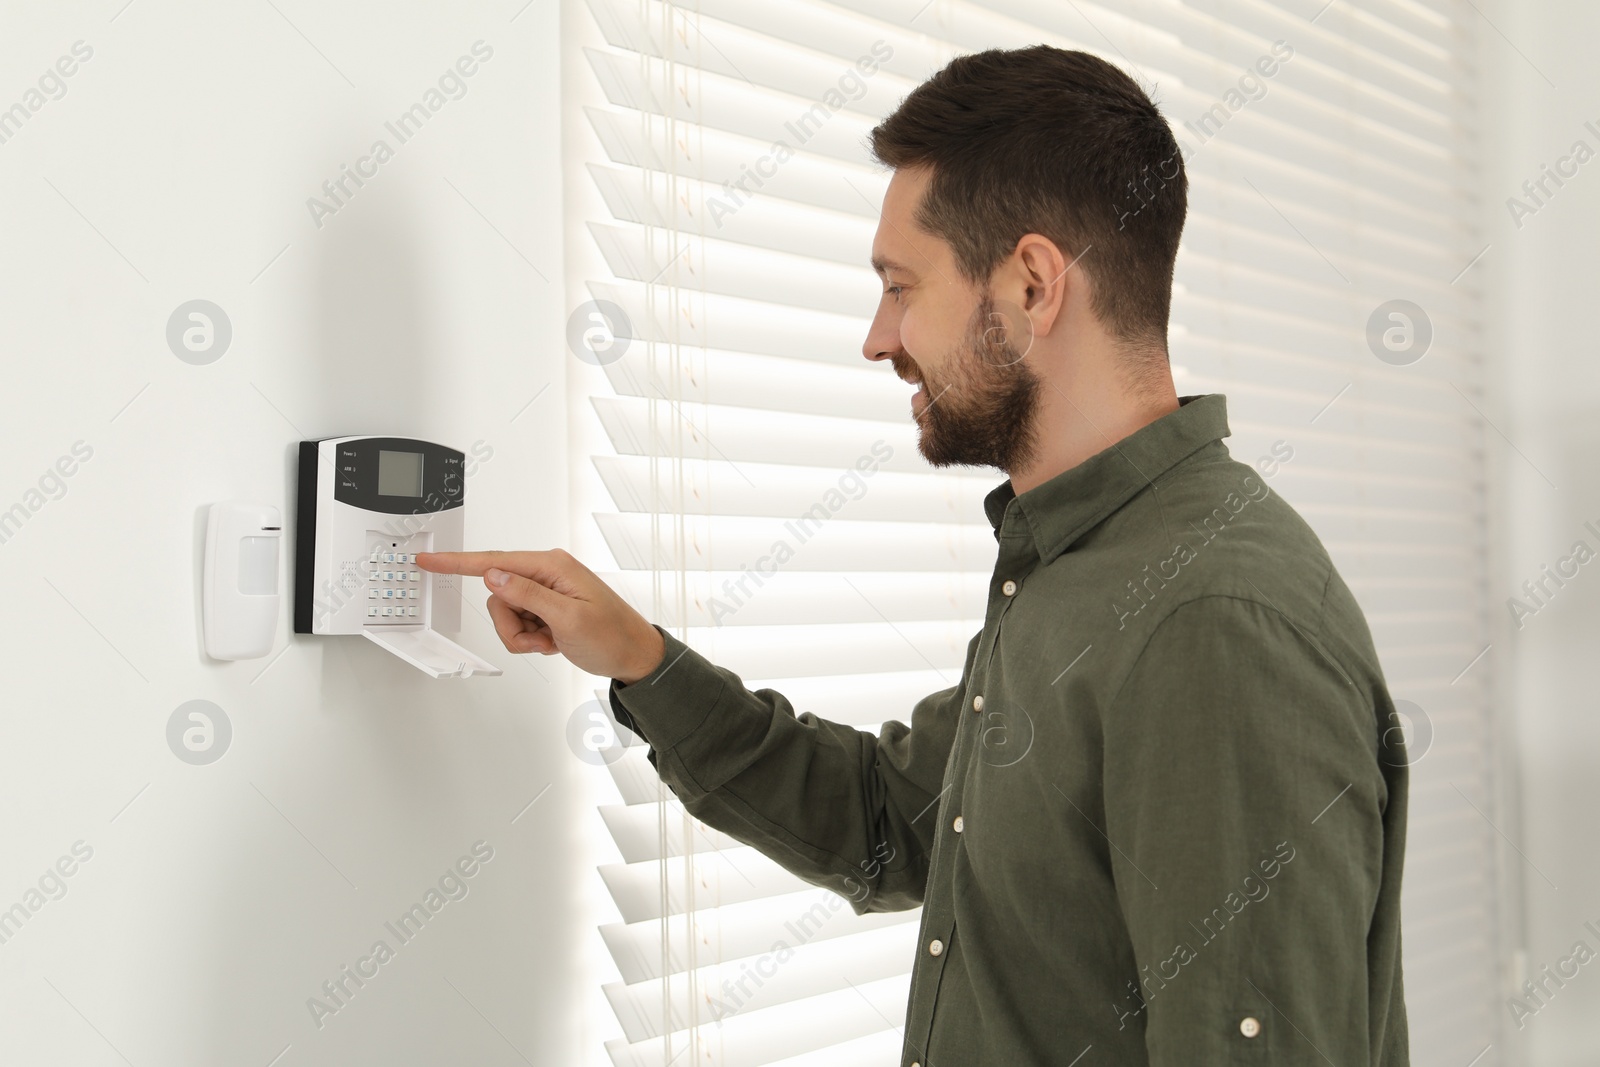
[177, 166]
[1543, 278]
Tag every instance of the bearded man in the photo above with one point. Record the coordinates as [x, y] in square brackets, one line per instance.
[1159, 820]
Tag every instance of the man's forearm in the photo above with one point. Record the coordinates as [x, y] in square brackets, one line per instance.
[834, 805]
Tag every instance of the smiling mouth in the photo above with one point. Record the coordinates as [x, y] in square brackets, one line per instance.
[905, 370]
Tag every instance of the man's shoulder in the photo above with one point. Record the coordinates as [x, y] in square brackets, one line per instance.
[1220, 511]
[1213, 533]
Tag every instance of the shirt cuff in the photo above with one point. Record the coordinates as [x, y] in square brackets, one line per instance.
[669, 703]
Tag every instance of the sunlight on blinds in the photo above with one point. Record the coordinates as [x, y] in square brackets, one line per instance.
[757, 486]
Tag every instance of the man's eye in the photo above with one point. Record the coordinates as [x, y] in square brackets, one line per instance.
[894, 290]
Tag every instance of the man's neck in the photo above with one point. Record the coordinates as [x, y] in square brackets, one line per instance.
[1082, 419]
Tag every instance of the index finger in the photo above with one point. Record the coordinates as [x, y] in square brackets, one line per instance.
[554, 569]
[476, 563]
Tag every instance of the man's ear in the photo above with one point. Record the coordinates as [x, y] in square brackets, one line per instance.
[1042, 278]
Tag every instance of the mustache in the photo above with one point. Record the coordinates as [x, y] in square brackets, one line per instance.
[905, 367]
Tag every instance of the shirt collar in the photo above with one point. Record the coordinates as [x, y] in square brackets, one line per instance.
[1058, 512]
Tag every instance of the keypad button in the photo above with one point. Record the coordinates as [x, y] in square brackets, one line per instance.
[416, 576]
[388, 613]
[372, 611]
[412, 610]
[372, 594]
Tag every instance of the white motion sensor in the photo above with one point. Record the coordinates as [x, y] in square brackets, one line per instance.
[239, 597]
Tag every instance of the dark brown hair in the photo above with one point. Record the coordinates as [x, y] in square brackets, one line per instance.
[1043, 140]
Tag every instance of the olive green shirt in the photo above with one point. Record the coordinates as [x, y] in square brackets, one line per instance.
[1161, 818]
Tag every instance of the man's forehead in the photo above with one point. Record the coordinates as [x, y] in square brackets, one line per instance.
[900, 244]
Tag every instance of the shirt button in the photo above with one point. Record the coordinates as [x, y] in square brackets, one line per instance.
[959, 823]
[977, 702]
[1010, 588]
[1250, 1026]
[935, 947]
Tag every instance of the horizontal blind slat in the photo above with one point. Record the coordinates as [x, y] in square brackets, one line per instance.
[758, 1038]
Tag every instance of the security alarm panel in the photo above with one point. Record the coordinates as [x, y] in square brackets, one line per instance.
[367, 506]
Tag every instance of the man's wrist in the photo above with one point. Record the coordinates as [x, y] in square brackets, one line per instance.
[655, 650]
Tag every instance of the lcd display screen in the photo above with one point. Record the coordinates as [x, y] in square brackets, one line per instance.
[399, 473]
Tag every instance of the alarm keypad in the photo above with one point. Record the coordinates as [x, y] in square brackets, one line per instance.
[386, 584]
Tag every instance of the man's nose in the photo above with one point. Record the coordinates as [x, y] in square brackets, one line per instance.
[882, 342]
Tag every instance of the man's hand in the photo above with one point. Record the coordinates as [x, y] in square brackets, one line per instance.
[549, 602]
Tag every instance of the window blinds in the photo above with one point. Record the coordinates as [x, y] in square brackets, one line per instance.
[756, 485]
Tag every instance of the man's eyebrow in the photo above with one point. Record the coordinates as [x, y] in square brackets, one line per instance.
[883, 266]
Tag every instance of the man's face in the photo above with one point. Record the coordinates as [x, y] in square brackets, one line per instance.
[977, 398]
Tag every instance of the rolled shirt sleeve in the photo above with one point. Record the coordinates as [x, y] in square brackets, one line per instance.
[1246, 805]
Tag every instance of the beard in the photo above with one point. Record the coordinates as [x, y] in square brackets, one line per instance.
[982, 408]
